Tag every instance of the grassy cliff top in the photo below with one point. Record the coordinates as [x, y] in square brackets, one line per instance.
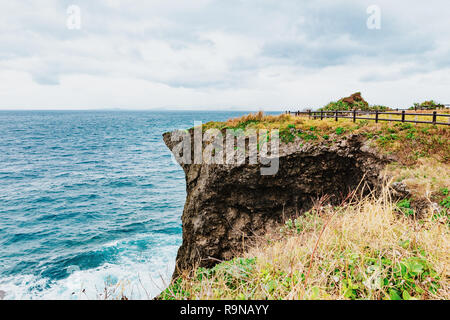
[409, 142]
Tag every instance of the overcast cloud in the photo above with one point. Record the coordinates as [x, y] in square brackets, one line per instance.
[265, 54]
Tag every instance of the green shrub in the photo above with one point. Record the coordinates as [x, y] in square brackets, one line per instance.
[336, 106]
[446, 202]
[427, 105]
[405, 277]
[358, 105]
[340, 130]
[404, 206]
[286, 135]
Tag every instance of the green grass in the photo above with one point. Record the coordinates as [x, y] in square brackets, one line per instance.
[404, 207]
[343, 106]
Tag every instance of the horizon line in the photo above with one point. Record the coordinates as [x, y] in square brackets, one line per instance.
[143, 109]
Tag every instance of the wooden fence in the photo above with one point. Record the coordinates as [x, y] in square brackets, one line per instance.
[435, 118]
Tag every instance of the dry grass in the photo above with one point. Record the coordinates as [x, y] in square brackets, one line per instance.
[362, 250]
[429, 178]
[252, 120]
[279, 120]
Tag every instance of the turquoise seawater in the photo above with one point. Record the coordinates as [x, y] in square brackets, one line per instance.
[88, 200]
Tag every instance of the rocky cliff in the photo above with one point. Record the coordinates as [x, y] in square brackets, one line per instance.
[227, 204]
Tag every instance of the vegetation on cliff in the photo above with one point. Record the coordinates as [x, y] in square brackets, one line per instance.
[353, 102]
[376, 247]
[343, 106]
[427, 105]
[409, 142]
[364, 249]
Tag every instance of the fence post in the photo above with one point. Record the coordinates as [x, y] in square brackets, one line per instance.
[376, 116]
[403, 115]
[336, 116]
[321, 114]
[434, 117]
[309, 113]
[354, 115]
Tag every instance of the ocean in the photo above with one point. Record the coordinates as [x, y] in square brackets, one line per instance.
[90, 202]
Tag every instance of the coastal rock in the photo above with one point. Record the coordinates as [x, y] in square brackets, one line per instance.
[228, 205]
[355, 99]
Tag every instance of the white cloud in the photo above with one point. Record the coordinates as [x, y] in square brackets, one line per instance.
[215, 54]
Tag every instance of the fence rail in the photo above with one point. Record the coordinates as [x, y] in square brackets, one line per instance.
[436, 118]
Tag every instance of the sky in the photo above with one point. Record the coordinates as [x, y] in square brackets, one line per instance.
[221, 55]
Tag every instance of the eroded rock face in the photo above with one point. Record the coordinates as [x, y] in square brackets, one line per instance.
[226, 204]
